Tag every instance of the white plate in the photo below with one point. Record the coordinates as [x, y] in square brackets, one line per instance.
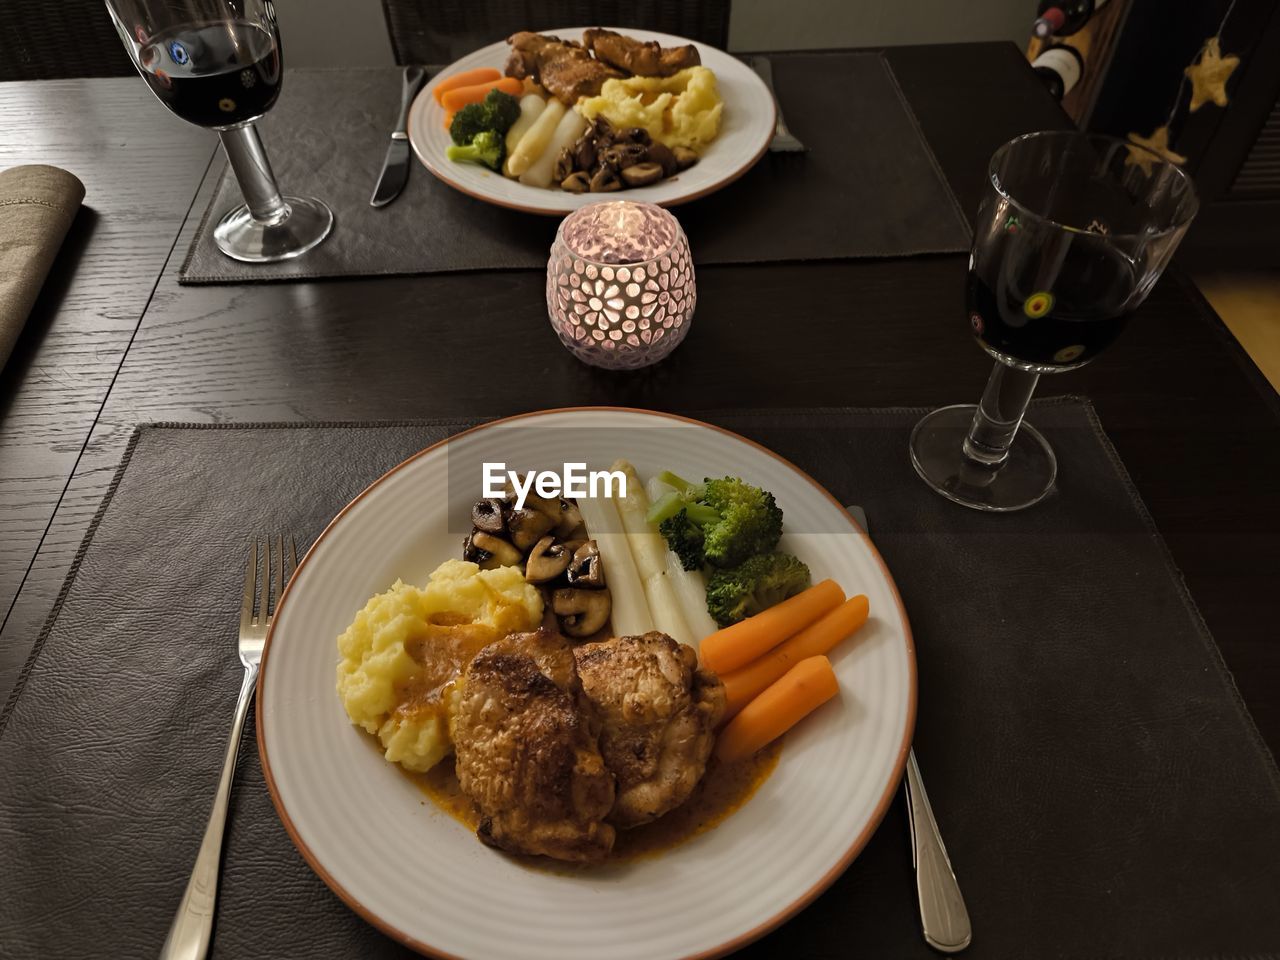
[745, 131]
[423, 878]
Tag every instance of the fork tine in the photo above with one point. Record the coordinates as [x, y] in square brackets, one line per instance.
[264, 597]
[250, 583]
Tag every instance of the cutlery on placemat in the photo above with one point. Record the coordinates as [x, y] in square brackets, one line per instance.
[192, 925]
[943, 915]
[395, 168]
[783, 140]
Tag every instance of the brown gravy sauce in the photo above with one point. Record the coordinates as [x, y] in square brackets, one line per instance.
[724, 789]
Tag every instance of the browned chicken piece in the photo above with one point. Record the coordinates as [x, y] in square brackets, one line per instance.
[565, 68]
[640, 57]
[659, 712]
[527, 751]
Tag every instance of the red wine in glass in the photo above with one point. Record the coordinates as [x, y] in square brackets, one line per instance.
[1050, 313]
[214, 74]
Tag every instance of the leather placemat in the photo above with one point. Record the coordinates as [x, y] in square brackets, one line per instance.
[868, 187]
[1100, 787]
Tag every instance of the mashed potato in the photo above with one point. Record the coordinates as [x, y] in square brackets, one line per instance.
[682, 110]
[404, 651]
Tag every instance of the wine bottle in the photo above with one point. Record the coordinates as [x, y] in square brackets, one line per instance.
[1062, 18]
[1060, 67]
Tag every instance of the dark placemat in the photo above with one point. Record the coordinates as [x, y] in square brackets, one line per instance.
[1100, 787]
[868, 187]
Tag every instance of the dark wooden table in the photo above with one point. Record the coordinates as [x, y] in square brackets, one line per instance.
[115, 341]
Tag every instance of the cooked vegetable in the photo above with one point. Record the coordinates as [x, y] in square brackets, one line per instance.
[738, 645]
[754, 585]
[486, 150]
[720, 522]
[650, 554]
[743, 685]
[585, 569]
[630, 608]
[497, 112]
[486, 515]
[546, 561]
[459, 97]
[531, 107]
[568, 129]
[536, 138]
[489, 551]
[468, 78]
[448, 119]
[581, 612]
[800, 691]
[527, 526]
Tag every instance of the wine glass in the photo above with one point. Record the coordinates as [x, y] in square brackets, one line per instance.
[1073, 232]
[216, 63]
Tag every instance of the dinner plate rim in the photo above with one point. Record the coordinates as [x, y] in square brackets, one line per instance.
[786, 912]
[550, 210]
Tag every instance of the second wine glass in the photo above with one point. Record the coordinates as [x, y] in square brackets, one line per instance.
[1074, 231]
[217, 64]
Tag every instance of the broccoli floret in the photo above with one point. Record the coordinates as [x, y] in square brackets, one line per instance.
[485, 149]
[750, 521]
[496, 112]
[734, 518]
[685, 538]
[757, 584]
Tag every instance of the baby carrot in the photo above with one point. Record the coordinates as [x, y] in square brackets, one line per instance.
[800, 691]
[459, 97]
[743, 685]
[738, 645]
[468, 78]
[448, 118]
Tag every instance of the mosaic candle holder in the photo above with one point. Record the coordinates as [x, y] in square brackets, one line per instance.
[620, 287]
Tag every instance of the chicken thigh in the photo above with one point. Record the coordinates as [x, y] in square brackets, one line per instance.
[527, 751]
[659, 712]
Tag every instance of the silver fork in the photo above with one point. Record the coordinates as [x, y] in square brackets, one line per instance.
[192, 926]
[783, 139]
[944, 919]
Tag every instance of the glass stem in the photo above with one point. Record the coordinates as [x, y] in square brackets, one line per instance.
[253, 172]
[999, 414]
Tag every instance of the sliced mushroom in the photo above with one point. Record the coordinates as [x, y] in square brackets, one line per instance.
[642, 174]
[486, 515]
[685, 158]
[584, 152]
[570, 518]
[622, 155]
[547, 560]
[579, 182]
[581, 612]
[564, 165]
[586, 570]
[661, 154]
[605, 180]
[548, 505]
[572, 545]
[489, 551]
[636, 135]
[527, 527]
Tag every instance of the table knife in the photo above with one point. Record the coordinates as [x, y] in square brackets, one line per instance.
[395, 168]
[943, 915]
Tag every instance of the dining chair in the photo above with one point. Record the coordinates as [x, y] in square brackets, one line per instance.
[441, 31]
[40, 40]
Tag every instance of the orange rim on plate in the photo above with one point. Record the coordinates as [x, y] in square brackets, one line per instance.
[786, 912]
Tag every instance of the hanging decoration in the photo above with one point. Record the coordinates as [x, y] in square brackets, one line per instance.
[1208, 75]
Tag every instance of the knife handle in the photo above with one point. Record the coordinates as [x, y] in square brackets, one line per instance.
[413, 77]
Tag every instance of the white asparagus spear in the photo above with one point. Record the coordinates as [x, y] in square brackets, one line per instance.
[568, 130]
[536, 138]
[630, 615]
[676, 596]
[531, 107]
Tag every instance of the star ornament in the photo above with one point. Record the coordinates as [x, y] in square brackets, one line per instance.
[1209, 76]
[1157, 143]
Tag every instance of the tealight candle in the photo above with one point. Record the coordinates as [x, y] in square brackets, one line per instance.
[620, 288]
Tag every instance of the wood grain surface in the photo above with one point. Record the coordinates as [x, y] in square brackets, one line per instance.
[140, 166]
[1195, 424]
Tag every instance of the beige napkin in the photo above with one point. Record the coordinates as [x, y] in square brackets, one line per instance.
[37, 205]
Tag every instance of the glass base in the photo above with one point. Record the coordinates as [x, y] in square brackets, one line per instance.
[241, 237]
[1025, 478]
